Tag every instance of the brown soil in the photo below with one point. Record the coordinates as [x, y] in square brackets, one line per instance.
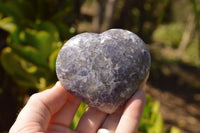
[176, 85]
[179, 108]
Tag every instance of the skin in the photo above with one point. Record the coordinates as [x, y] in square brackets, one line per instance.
[52, 111]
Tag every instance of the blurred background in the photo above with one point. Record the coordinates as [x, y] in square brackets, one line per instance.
[33, 31]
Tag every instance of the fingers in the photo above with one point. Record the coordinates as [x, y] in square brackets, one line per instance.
[126, 120]
[41, 106]
[66, 114]
[57, 108]
[91, 121]
[53, 98]
[118, 120]
[112, 120]
[131, 116]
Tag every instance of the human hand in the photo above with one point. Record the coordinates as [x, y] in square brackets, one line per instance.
[53, 110]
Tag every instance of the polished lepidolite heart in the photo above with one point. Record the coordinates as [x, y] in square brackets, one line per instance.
[103, 70]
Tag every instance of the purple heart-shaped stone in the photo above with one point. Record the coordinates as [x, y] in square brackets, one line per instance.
[103, 70]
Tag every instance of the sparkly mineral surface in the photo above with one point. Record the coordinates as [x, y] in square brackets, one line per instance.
[103, 70]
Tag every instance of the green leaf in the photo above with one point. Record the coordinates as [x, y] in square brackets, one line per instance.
[50, 28]
[156, 107]
[14, 37]
[158, 124]
[151, 121]
[18, 68]
[7, 24]
[52, 59]
[78, 115]
[11, 8]
[30, 54]
[19, 11]
[155, 110]
[168, 34]
[45, 42]
[173, 130]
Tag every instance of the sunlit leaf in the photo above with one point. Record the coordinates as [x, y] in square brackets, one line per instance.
[168, 34]
[151, 121]
[52, 59]
[78, 115]
[13, 66]
[173, 130]
[7, 24]
[30, 54]
[14, 37]
[50, 28]
[157, 125]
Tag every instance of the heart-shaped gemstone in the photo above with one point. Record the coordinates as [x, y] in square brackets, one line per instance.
[103, 70]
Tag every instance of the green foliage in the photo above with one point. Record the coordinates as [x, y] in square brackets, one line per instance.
[36, 30]
[196, 11]
[78, 115]
[173, 130]
[170, 34]
[192, 52]
[26, 13]
[152, 121]
[33, 53]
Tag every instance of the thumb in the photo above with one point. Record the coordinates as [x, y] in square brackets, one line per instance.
[36, 114]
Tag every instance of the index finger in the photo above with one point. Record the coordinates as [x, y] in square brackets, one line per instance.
[131, 116]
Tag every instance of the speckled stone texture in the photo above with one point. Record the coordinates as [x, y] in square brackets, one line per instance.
[103, 70]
